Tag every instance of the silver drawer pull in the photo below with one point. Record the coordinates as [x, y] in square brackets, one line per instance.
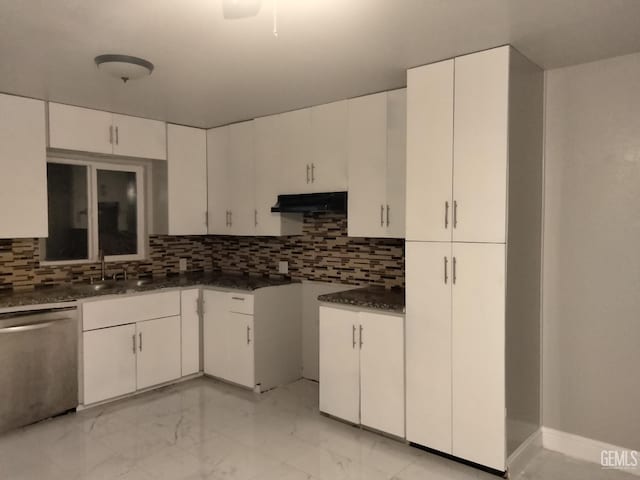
[248, 335]
[446, 275]
[133, 337]
[140, 336]
[238, 298]
[353, 336]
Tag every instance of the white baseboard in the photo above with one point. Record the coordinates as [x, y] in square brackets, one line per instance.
[522, 455]
[579, 447]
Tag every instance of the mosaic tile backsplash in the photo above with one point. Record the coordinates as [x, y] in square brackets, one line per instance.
[323, 252]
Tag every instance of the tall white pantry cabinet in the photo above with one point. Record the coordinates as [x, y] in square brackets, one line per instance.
[473, 231]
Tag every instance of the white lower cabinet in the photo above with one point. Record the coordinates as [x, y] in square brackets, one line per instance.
[253, 339]
[130, 343]
[228, 338]
[109, 363]
[455, 349]
[190, 330]
[339, 364]
[158, 357]
[240, 355]
[362, 368]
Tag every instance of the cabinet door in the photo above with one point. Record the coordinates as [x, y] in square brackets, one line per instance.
[215, 307]
[367, 166]
[109, 358]
[428, 343]
[478, 353]
[240, 365]
[339, 364]
[296, 141]
[23, 182]
[83, 129]
[429, 152]
[187, 180]
[140, 137]
[480, 146]
[382, 372]
[159, 352]
[241, 178]
[218, 193]
[329, 147]
[190, 331]
[268, 174]
[396, 171]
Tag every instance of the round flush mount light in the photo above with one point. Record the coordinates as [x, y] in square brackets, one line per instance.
[124, 67]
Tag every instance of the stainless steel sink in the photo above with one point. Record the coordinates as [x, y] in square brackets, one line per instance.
[112, 285]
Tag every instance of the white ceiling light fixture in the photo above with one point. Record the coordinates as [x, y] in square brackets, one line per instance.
[124, 67]
[232, 9]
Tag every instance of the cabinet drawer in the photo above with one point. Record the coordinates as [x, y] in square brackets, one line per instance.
[241, 303]
[119, 311]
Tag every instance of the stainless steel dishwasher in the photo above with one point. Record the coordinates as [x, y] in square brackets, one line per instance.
[38, 365]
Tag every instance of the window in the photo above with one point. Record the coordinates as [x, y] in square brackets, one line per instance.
[93, 208]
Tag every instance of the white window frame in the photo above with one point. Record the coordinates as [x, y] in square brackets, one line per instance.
[93, 249]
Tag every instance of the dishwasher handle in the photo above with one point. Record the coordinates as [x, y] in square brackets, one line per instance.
[29, 327]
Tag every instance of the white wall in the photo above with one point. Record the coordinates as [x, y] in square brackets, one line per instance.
[591, 306]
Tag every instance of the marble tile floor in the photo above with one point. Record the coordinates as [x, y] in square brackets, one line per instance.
[204, 429]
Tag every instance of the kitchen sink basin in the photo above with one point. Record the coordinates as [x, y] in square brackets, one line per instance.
[112, 285]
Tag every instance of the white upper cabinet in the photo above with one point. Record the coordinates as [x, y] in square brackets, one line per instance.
[329, 147]
[23, 182]
[367, 166]
[296, 142]
[87, 130]
[139, 137]
[396, 162]
[187, 180]
[268, 174]
[83, 129]
[430, 152]
[217, 180]
[314, 149]
[242, 212]
[457, 149]
[376, 153]
[480, 146]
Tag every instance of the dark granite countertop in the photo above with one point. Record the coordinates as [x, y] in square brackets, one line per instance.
[73, 292]
[379, 298]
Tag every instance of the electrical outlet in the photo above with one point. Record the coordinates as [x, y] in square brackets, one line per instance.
[283, 267]
[182, 265]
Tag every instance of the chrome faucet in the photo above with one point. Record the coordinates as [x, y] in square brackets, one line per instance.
[103, 268]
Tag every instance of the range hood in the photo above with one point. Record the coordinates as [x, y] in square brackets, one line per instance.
[335, 202]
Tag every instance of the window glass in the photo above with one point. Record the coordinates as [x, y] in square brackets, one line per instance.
[117, 212]
[68, 212]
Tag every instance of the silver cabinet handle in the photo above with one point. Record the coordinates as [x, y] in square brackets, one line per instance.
[455, 214]
[382, 215]
[361, 342]
[140, 337]
[255, 217]
[307, 173]
[231, 218]
[313, 175]
[206, 219]
[134, 343]
[446, 274]
[117, 136]
[455, 262]
[387, 215]
[111, 134]
[238, 298]
[446, 214]
[248, 335]
[353, 336]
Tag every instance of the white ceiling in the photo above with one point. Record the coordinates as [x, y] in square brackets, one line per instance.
[211, 71]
